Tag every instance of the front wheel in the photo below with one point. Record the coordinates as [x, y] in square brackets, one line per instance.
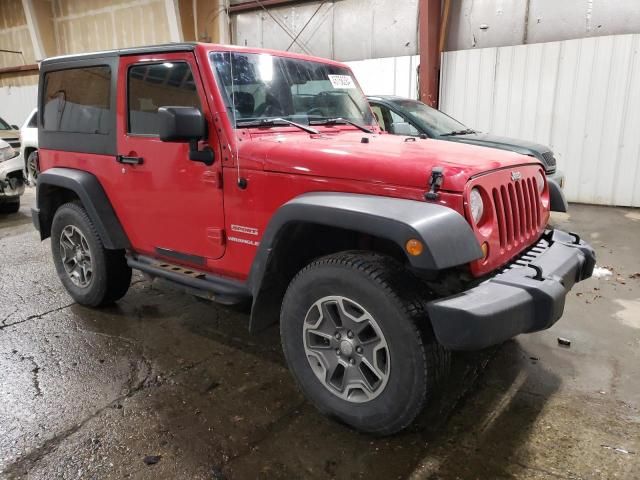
[93, 275]
[356, 337]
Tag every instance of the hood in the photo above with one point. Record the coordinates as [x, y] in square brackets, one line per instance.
[389, 159]
[504, 143]
[11, 134]
[12, 137]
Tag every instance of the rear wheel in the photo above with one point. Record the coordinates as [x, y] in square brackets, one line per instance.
[32, 167]
[356, 336]
[92, 274]
[10, 205]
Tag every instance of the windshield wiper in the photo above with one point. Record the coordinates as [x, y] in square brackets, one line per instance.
[271, 122]
[458, 132]
[339, 120]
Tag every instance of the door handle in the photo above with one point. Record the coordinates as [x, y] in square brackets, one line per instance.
[130, 160]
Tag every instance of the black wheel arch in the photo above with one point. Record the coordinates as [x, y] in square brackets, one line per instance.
[556, 197]
[387, 222]
[57, 186]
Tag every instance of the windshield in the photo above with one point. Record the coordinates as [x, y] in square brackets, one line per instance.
[265, 86]
[4, 125]
[440, 123]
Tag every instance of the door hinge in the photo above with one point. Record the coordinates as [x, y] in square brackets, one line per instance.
[212, 177]
[216, 235]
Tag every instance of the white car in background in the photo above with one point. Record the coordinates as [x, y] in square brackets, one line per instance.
[11, 178]
[29, 147]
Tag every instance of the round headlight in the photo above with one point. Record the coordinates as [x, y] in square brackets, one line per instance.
[476, 204]
[540, 182]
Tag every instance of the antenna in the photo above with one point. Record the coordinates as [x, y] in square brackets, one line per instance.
[242, 183]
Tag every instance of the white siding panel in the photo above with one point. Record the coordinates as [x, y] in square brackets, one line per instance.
[17, 102]
[580, 97]
[387, 76]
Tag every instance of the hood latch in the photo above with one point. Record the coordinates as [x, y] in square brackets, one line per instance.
[437, 177]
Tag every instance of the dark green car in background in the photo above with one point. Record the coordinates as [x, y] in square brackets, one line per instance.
[404, 116]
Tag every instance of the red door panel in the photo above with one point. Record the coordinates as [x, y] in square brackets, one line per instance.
[169, 205]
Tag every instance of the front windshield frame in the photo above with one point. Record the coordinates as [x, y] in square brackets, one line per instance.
[434, 120]
[4, 125]
[298, 90]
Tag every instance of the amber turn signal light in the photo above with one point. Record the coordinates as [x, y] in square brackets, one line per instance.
[485, 250]
[414, 247]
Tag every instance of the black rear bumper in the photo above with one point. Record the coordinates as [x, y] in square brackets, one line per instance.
[525, 297]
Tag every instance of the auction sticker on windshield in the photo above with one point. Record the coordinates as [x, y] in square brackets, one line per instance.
[341, 81]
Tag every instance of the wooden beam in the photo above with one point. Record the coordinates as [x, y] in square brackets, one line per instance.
[428, 32]
[255, 5]
[173, 20]
[20, 68]
[212, 21]
[444, 25]
[39, 15]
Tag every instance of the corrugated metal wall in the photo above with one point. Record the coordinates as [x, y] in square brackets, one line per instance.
[89, 25]
[79, 26]
[580, 97]
[342, 30]
[14, 35]
[388, 76]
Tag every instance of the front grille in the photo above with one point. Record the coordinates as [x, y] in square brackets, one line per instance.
[529, 255]
[550, 160]
[14, 142]
[517, 208]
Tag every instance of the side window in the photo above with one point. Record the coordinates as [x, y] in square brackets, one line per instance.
[151, 86]
[33, 121]
[77, 100]
[377, 113]
[400, 126]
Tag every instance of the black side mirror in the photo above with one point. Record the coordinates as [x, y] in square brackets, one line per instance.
[15, 127]
[185, 124]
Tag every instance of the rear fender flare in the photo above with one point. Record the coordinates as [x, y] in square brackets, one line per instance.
[88, 189]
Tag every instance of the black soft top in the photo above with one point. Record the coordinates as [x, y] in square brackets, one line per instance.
[102, 141]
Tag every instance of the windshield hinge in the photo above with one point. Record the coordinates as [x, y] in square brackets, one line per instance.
[436, 181]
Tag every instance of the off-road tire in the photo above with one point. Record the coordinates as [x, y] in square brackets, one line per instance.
[11, 205]
[396, 299]
[111, 274]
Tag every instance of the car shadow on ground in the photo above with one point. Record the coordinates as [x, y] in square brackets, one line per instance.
[12, 220]
[485, 405]
[211, 397]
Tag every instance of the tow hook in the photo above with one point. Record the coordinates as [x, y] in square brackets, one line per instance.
[576, 238]
[538, 275]
[437, 176]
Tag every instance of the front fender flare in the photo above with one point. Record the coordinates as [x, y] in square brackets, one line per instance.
[449, 240]
[556, 197]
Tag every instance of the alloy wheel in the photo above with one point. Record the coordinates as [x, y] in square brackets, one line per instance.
[32, 169]
[346, 349]
[76, 256]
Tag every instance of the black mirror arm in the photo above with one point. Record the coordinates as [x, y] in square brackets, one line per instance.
[205, 155]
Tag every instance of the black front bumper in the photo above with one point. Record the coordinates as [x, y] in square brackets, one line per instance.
[527, 296]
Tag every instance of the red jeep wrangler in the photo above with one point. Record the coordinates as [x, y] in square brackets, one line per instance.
[244, 174]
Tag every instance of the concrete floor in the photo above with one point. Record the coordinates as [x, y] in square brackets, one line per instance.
[91, 393]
